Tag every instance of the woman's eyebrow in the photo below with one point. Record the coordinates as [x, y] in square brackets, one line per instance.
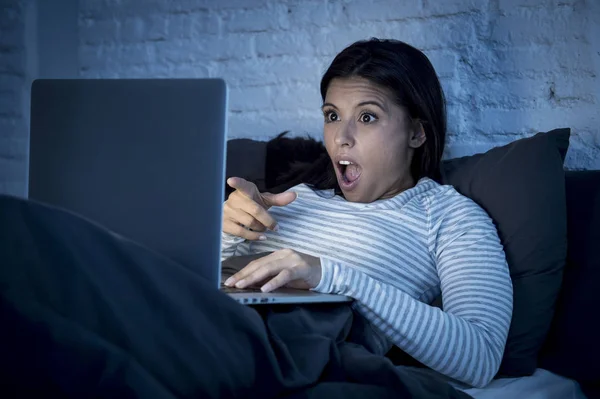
[371, 102]
[361, 104]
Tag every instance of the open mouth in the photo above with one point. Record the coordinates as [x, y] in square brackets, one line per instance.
[348, 173]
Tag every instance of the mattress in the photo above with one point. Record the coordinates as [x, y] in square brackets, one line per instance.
[543, 384]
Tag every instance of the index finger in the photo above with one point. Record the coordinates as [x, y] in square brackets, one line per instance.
[244, 186]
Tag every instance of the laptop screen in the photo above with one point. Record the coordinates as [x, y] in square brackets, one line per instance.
[143, 157]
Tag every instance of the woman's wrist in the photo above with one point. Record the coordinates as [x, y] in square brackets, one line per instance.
[327, 271]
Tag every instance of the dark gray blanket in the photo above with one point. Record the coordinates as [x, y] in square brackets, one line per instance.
[85, 314]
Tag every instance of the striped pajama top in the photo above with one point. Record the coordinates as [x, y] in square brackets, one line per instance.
[394, 257]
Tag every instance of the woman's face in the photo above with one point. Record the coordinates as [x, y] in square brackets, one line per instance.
[370, 140]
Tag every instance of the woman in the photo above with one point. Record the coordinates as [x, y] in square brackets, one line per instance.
[372, 223]
[88, 314]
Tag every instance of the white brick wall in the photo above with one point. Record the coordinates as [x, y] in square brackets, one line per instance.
[509, 67]
[14, 97]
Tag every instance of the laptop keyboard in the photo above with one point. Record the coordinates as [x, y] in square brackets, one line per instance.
[234, 290]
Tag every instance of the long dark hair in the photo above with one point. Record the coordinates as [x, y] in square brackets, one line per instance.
[409, 75]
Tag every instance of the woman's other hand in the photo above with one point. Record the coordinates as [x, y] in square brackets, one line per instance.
[245, 213]
[281, 268]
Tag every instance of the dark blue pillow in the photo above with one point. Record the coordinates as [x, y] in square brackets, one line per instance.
[522, 187]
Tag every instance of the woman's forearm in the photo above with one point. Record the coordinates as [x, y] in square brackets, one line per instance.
[468, 349]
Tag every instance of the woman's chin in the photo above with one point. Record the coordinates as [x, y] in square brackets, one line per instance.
[349, 186]
[353, 190]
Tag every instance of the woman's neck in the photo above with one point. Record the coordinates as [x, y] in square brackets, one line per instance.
[402, 185]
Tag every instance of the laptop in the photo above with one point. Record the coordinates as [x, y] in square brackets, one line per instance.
[145, 158]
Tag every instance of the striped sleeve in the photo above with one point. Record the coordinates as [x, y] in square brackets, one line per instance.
[232, 245]
[466, 340]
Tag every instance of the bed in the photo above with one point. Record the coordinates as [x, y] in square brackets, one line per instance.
[543, 384]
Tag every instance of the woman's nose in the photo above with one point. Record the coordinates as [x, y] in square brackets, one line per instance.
[345, 134]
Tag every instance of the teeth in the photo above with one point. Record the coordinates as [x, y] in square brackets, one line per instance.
[345, 163]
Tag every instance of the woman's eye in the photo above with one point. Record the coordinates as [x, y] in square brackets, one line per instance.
[367, 118]
[331, 116]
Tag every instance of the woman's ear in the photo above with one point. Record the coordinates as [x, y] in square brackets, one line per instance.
[418, 136]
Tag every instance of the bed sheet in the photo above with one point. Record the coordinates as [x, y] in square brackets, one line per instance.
[543, 384]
